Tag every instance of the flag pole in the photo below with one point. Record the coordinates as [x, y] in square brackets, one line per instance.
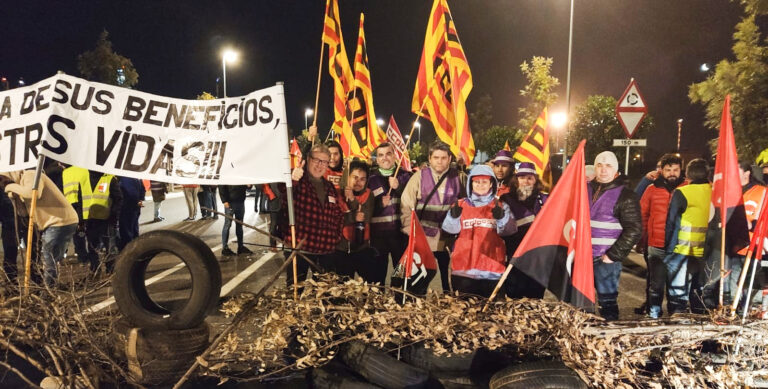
[752, 254]
[722, 258]
[31, 228]
[319, 74]
[498, 286]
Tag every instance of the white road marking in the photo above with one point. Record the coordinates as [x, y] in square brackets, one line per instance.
[233, 283]
[97, 307]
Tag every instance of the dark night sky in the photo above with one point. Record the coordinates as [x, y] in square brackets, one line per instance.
[175, 47]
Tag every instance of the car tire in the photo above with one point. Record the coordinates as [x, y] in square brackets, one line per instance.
[540, 374]
[380, 369]
[160, 356]
[421, 357]
[131, 294]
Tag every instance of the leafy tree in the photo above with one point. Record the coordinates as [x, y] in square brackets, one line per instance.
[493, 139]
[595, 120]
[206, 96]
[102, 64]
[758, 7]
[303, 139]
[746, 80]
[480, 119]
[538, 91]
[417, 152]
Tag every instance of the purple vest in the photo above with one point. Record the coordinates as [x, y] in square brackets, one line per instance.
[386, 219]
[605, 226]
[432, 214]
[524, 216]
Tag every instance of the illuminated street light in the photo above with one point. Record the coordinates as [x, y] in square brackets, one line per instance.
[559, 119]
[307, 113]
[380, 121]
[418, 127]
[228, 55]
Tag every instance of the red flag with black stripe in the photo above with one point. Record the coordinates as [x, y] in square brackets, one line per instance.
[557, 250]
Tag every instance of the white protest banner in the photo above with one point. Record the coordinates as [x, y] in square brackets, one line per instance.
[239, 140]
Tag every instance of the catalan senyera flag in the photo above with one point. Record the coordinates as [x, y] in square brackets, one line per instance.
[535, 148]
[338, 65]
[444, 82]
[506, 146]
[363, 135]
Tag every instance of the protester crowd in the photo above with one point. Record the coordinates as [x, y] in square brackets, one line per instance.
[353, 218]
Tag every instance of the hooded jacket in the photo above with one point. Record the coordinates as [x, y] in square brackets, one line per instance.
[654, 205]
[479, 252]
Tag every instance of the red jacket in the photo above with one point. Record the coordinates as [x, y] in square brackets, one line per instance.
[479, 252]
[654, 206]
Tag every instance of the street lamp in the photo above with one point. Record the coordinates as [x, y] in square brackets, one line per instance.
[568, 85]
[307, 113]
[418, 127]
[679, 131]
[380, 121]
[228, 55]
[558, 120]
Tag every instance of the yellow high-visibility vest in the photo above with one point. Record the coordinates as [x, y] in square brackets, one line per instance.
[693, 222]
[96, 203]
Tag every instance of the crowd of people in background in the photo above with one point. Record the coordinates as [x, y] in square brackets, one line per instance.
[353, 218]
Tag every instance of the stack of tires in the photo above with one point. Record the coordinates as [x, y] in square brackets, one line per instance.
[361, 366]
[157, 344]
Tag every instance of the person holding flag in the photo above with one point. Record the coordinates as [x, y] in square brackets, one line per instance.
[386, 236]
[480, 220]
[685, 238]
[616, 228]
[335, 170]
[525, 201]
[431, 193]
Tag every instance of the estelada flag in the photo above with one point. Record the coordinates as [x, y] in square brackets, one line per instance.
[417, 264]
[395, 138]
[295, 153]
[338, 64]
[726, 184]
[444, 82]
[535, 148]
[506, 146]
[557, 250]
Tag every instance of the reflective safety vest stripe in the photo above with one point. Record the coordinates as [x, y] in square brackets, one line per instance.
[72, 179]
[753, 207]
[96, 205]
[693, 222]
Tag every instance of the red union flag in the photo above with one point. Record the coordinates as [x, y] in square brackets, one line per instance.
[395, 138]
[418, 265]
[557, 251]
[295, 153]
[726, 184]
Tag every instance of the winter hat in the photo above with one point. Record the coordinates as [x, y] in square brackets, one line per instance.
[526, 168]
[503, 156]
[481, 176]
[608, 158]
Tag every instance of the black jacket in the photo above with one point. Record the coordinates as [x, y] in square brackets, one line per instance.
[232, 193]
[627, 210]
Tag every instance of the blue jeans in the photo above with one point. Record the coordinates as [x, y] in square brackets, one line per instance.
[55, 241]
[668, 271]
[607, 280]
[236, 210]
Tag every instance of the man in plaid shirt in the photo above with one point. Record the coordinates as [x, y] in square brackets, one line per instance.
[318, 210]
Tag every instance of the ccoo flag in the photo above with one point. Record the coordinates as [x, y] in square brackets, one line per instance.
[338, 65]
[535, 148]
[557, 251]
[364, 134]
[506, 146]
[295, 153]
[395, 138]
[726, 183]
[444, 82]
